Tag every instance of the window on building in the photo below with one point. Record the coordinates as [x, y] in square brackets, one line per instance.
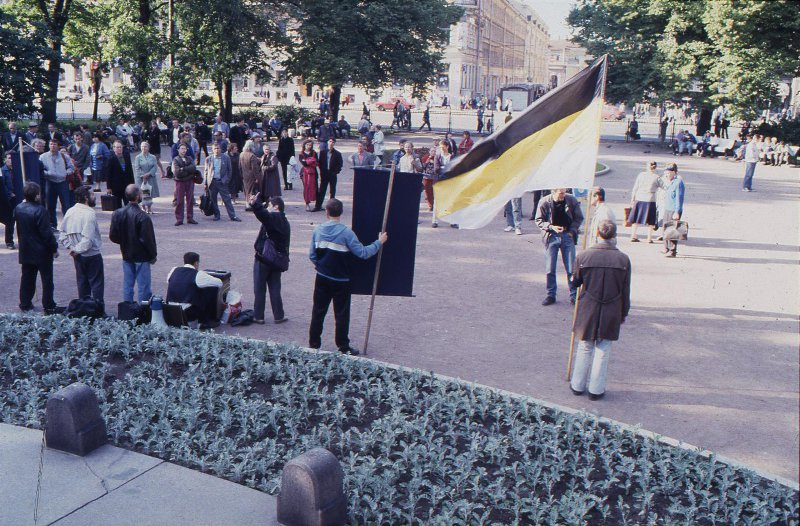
[78, 75]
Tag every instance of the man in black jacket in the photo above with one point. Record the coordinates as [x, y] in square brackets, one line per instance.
[37, 248]
[10, 140]
[203, 135]
[330, 164]
[132, 230]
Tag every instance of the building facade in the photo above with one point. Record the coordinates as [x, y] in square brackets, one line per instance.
[495, 44]
[565, 60]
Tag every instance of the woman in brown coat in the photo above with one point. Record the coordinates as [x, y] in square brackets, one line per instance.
[250, 167]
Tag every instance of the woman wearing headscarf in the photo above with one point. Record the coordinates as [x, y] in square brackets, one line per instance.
[643, 202]
[270, 168]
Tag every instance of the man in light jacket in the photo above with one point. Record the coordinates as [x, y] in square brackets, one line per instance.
[217, 181]
[80, 235]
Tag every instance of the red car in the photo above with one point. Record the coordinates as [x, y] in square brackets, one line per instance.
[389, 105]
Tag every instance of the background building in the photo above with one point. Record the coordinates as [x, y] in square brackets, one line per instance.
[496, 43]
[566, 59]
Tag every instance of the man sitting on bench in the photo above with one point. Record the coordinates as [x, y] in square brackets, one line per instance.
[196, 289]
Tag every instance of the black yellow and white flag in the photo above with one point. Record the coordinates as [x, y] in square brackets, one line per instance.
[551, 144]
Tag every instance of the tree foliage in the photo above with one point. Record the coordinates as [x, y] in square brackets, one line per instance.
[722, 51]
[371, 44]
[22, 54]
[222, 39]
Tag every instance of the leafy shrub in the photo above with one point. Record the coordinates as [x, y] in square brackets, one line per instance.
[787, 130]
[415, 449]
[288, 114]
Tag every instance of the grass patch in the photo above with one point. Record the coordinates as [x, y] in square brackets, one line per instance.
[415, 449]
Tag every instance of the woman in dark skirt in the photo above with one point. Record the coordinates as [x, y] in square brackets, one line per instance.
[643, 202]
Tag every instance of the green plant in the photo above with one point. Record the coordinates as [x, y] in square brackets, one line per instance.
[785, 130]
[415, 449]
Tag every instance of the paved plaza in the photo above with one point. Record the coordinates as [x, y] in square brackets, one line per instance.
[708, 354]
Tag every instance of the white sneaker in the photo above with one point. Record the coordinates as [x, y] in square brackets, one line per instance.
[508, 229]
[518, 231]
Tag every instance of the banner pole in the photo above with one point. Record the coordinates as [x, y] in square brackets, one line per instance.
[380, 256]
[586, 230]
[22, 160]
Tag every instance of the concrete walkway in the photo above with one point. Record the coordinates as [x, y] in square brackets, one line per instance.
[115, 486]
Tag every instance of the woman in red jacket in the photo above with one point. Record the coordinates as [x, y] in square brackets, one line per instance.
[310, 163]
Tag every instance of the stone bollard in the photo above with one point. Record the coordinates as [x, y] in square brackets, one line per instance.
[311, 491]
[73, 420]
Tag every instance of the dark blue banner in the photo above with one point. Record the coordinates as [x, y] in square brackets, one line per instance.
[370, 188]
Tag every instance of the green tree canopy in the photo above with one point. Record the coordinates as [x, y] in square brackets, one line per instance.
[22, 55]
[721, 51]
[371, 44]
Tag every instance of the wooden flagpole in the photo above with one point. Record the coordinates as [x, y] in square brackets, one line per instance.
[586, 233]
[380, 256]
[22, 160]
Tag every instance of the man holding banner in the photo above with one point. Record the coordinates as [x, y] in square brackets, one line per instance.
[332, 245]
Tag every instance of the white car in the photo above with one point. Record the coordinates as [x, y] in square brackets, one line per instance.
[71, 95]
[245, 98]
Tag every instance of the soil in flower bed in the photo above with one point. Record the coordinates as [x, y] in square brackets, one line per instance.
[415, 449]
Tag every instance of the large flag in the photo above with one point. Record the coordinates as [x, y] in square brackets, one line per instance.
[552, 144]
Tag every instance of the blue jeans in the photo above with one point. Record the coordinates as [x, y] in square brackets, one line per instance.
[749, 172]
[514, 212]
[566, 245]
[138, 273]
[60, 192]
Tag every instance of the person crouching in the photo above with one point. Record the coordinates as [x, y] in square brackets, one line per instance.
[191, 286]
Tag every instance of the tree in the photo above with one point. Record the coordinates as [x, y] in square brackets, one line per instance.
[85, 41]
[371, 44]
[235, 35]
[22, 75]
[735, 51]
[53, 15]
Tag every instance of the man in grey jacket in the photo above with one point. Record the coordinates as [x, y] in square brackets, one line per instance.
[559, 216]
[217, 180]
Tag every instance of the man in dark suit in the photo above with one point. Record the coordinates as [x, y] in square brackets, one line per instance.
[53, 134]
[10, 139]
[238, 133]
[37, 248]
[330, 164]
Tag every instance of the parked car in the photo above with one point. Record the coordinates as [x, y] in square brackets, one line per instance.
[71, 95]
[389, 104]
[612, 113]
[246, 98]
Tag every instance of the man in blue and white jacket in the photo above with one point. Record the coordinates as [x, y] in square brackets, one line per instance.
[332, 246]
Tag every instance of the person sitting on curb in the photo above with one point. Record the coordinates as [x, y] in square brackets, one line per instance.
[188, 285]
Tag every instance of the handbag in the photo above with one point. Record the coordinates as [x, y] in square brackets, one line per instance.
[109, 202]
[271, 256]
[206, 206]
[627, 212]
[198, 177]
[676, 230]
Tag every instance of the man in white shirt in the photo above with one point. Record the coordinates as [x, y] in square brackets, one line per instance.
[57, 166]
[602, 212]
[80, 235]
[751, 152]
[191, 286]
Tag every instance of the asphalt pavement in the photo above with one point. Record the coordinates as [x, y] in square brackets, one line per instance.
[708, 354]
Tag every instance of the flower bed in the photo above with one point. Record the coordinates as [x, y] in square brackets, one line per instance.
[415, 449]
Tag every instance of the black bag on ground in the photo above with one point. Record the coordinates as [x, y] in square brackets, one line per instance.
[133, 311]
[109, 202]
[85, 308]
[206, 206]
[245, 317]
